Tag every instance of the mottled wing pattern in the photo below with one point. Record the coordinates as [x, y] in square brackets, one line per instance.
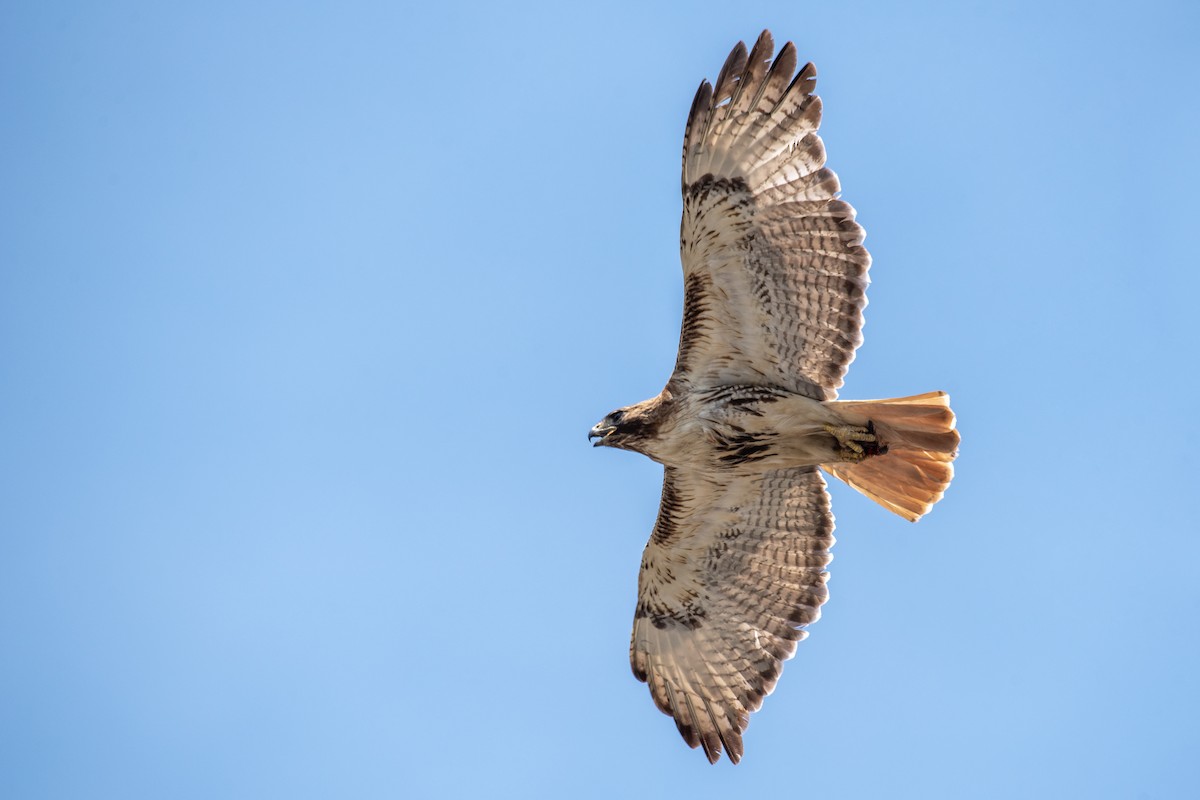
[775, 274]
[733, 571]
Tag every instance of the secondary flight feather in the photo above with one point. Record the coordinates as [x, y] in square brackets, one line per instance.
[775, 279]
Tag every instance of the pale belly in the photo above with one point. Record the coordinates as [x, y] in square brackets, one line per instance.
[751, 430]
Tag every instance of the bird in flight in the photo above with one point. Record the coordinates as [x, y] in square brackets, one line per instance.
[775, 279]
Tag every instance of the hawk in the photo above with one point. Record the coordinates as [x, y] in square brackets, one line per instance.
[775, 279]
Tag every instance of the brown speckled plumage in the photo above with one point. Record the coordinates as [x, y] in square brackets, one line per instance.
[775, 279]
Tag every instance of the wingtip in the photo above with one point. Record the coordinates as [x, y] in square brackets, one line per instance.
[764, 45]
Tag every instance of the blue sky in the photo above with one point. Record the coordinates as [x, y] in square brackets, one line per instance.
[306, 310]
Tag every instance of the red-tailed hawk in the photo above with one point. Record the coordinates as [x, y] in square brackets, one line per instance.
[775, 279]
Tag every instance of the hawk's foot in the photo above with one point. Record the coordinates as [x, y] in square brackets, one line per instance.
[855, 442]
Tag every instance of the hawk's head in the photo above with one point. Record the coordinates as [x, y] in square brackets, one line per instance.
[630, 428]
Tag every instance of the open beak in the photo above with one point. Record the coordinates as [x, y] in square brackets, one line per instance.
[599, 432]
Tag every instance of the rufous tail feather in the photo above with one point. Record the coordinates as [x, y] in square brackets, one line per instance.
[921, 443]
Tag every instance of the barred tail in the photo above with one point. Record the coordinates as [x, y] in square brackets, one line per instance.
[921, 443]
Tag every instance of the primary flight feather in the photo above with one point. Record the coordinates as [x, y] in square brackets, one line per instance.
[775, 279]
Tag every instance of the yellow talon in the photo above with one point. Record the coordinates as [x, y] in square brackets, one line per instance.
[849, 435]
[849, 438]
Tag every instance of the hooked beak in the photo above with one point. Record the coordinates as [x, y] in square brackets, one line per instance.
[599, 432]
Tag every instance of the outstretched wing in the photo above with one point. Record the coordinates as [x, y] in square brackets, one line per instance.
[734, 569]
[775, 274]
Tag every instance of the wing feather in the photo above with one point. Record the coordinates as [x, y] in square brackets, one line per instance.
[775, 274]
[734, 569]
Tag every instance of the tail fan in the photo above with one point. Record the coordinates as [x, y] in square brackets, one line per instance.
[921, 443]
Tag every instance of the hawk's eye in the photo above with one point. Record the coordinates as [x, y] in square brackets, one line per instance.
[617, 416]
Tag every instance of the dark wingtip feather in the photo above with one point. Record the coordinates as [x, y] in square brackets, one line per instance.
[712, 749]
[687, 732]
[733, 67]
[700, 102]
[806, 79]
[763, 47]
[784, 64]
[692, 133]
